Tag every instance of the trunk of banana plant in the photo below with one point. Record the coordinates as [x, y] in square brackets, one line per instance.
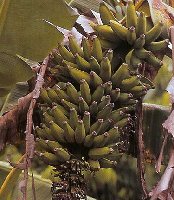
[71, 185]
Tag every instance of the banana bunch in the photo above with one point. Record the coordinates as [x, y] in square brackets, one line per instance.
[80, 124]
[134, 35]
[96, 73]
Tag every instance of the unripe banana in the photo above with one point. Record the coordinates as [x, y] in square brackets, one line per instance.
[134, 61]
[67, 55]
[105, 112]
[97, 49]
[131, 16]
[105, 70]
[105, 163]
[78, 75]
[128, 57]
[123, 122]
[115, 94]
[52, 145]
[98, 153]
[119, 29]
[85, 91]
[47, 118]
[141, 24]
[41, 145]
[65, 112]
[121, 74]
[108, 87]
[104, 101]
[96, 126]
[98, 93]
[83, 106]
[49, 158]
[117, 115]
[82, 63]
[131, 35]
[95, 79]
[157, 46]
[66, 63]
[86, 48]
[72, 92]
[74, 46]
[140, 42]
[62, 155]
[68, 105]
[116, 155]
[106, 32]
[61, 94]
[94, 65]
[100, 140]
[57, 132]
[48, 134]
[93, 108]
[154, 61]
[94, 165]
[153, 33]
[113, 135]
[44, 96]
[129, 83]
[69, 133]
[57, 58]
[105, 126]
[142, 53]
[53, 95]
[110, 54]
[73, 118]
[86, 121]
[137, 89]
[80, 132]
[88, 142]
[106, 44]
[105, 14]
[58, 115]
[124, 97]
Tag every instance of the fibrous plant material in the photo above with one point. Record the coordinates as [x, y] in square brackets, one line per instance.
[138, 41]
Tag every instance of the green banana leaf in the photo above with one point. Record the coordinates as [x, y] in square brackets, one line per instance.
[42, 186]
[23, 30]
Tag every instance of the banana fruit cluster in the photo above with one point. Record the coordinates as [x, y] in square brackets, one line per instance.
[133, 35]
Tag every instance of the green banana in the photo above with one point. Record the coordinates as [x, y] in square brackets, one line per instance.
[154, 61]
[62, 155]
[97, 49]
[85, 91]
[94, 65]
[63, 110]
[72, 92]
[131, 16]
[57, 58]
[41, 145]
[94, 164]
[105, 70]
[121, 74]
[129, 83]
[117, 115]
[80, 132]
[69, 133]
[104, 101]
[66, 63]
[74, 46]
[100, 140]
[83, 106]
[47, 131]
[113, 135]
[110, 54]
[115, 94]
[140, 42]
[105, 112]
[44, 96]
[73, 118]
[61, 94]
[105, 14]
[68, 105]
[53, 95]
[105, 163]
[96, 126]
[108, 87]
[141, 24]
[123, 122]
[86, 48]
[98, 93]
[47, 118]
[67, 55]
[58, 115]
[131, 35]
[86, 121]
[119, 29]
[82, 63]
[88, 142]
[105, 126]
[157, 46]
[78, 74]
[124, 97]
[49, 158]
[98, 153]
[52, 145]
[154, 33]
[93, 108]
[106, 44]
[95, 79]
[142, 53]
